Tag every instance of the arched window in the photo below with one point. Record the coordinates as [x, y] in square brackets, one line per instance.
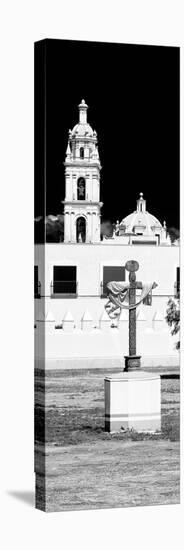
[81, 189]
[81, 230]
[81, 152]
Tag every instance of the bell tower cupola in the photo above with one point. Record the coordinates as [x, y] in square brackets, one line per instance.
[141, 204]
[83, 112]
[82, 183]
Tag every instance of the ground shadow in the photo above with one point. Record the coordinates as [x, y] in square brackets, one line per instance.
[28, 497]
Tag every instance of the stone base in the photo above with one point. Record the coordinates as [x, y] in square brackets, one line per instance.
[133, 402]
[132, 362]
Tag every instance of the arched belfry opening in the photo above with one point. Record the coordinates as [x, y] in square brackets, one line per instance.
[81, 152]
[81, 230]
[81, 189]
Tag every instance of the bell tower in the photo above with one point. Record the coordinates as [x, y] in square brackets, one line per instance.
[82, 183]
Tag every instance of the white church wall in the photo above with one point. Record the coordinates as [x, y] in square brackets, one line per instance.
[155, 264]
[154, 340]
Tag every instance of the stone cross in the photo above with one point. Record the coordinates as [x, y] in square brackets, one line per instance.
[132, 361]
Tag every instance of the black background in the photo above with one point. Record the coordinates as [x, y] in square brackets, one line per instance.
[133, 97]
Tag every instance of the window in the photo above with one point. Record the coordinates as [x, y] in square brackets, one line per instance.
[143, 242]
[81, 189]
[111, 273]
[64, 280]
[81, 230]
[157, 235]
[37, 285]
[81, 152]
[177, 282]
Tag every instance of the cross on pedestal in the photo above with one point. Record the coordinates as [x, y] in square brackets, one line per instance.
[132, 361]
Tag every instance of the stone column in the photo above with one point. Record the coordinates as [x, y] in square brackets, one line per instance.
[88, 227]
[67, 227]
[132, 361]
[72, 228]
[132, 314]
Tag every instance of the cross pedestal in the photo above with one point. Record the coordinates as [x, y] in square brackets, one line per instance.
[133, 399]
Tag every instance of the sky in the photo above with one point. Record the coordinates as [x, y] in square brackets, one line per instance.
[133, 98]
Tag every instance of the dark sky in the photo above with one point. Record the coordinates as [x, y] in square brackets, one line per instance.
[133, 98]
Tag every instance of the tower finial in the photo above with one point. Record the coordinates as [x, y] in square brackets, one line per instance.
[141, 203]
[68, 151]
[83, 112]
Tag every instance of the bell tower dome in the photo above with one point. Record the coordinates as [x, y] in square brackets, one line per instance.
[82, 183]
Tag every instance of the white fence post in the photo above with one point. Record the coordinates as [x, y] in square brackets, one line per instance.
[68, 322]
[86, 321]
[105, 321]
[45, 321]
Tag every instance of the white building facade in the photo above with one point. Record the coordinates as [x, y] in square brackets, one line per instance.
[71, 277]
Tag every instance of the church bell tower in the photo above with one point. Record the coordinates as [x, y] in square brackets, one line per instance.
[82, 183]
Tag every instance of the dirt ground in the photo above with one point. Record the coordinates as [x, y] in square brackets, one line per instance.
[87, 467]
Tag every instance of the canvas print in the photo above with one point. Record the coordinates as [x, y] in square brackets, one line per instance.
[106, 275]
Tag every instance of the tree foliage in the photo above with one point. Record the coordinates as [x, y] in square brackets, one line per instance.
[173, 233]
[52, 229]
[173, 317]
[106, 229]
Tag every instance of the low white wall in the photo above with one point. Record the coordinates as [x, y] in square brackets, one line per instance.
[156, 346]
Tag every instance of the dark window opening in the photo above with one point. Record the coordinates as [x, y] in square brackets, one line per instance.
[64, 280]
[157, 235]
[81, 230]
[111, 273]
[81, 152]
[143, 242]
[81, 189]
[37, 285]
[177, 281]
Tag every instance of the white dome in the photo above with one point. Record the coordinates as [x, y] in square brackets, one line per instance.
[141, 218]
[144, 219]
[82, 130]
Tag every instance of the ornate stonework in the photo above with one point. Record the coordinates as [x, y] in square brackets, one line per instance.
[82, 183]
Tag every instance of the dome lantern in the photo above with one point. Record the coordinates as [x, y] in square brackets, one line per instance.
[83, 112]
[141, 203]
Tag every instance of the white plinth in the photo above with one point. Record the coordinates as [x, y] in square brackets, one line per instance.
[133, 401]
